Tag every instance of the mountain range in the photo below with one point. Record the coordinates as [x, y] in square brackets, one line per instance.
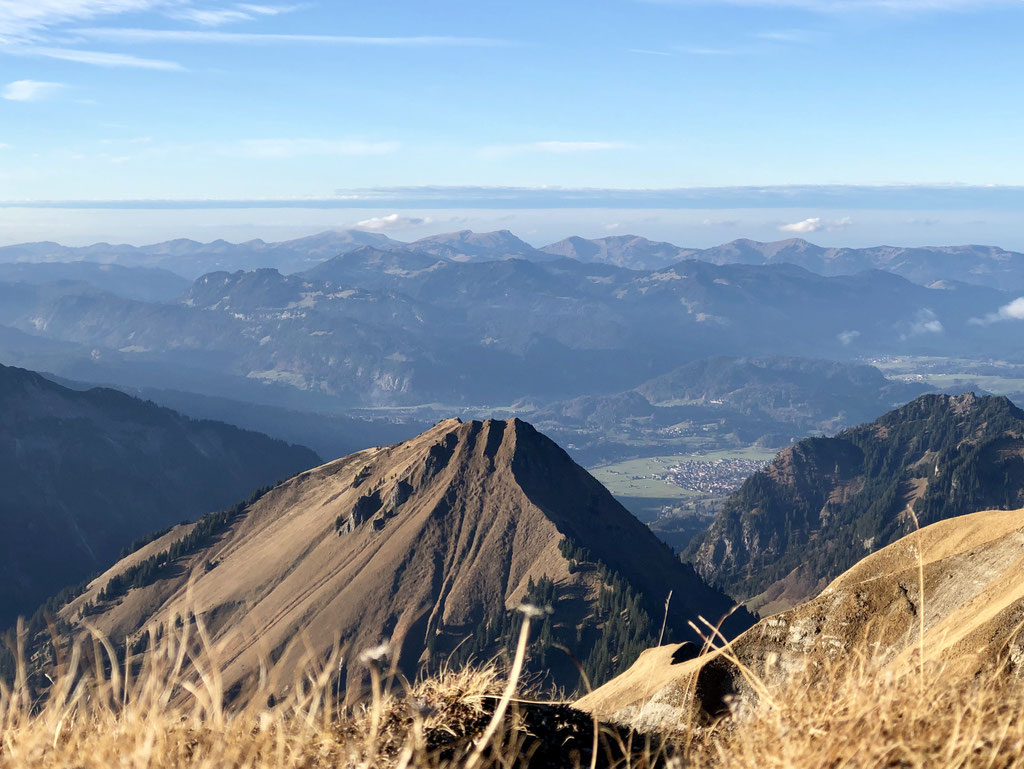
[973, 264]
[191, 258]
[85, 473]
[377, 327]
[427, 546]
[762, 399]
[825, 503]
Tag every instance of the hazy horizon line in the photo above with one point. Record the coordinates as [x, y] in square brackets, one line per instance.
[822, 196]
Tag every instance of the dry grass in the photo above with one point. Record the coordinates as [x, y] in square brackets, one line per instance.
[859, 714]
[165, 709]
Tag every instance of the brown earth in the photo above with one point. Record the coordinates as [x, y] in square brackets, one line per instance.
[409, 545]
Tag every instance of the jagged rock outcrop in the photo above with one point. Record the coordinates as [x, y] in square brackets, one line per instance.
[826, 502]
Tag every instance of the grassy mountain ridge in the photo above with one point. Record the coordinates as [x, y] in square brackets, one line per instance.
[957, 581]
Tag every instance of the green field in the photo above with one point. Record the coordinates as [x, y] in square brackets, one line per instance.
[642, 477]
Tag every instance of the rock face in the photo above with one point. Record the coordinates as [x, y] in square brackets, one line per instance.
[420, 545]
[826, 502]
[85, 473]
[973, 576]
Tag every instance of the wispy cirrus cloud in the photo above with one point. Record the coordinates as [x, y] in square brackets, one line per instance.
[54, 29]
[845, 6]
[98, 58]
[37, 29]
[29, 90]
[25, 21]
[143, 36]
[215, 17]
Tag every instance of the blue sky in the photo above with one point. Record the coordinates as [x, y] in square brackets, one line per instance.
[129, 100]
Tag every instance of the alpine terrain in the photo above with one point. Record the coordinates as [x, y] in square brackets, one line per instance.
[972, 572]
[426, 546]
[826, 502]
[84, 473]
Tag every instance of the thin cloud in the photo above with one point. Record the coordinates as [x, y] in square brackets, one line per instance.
[926, 322]
[212, 18]
[1012, 311]
[142, 36]
[806, 227]
[908, 198]
[646, 52]
[292, 148]
[697, 51]
[209, 17]
[846, 6]
[785, 35]
[99, 58]
[29, 90]
[390, 222]
[815, 224]
[551, 147]
[24, 21]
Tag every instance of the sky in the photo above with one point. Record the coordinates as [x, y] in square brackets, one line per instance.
[845, 121]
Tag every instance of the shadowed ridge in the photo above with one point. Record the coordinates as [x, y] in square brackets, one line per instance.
[826, 502]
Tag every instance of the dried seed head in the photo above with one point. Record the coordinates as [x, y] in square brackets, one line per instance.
[533, 612]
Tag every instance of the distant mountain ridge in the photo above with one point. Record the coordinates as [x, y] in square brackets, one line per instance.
[191, 258]
[767, 400]
[784, 388]
[826, 502]
[388, 327]
[976, 265]
[427, 546]
[628, 251]
[84, 473]
[972, 264]
[146, 284]
[467, 246]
